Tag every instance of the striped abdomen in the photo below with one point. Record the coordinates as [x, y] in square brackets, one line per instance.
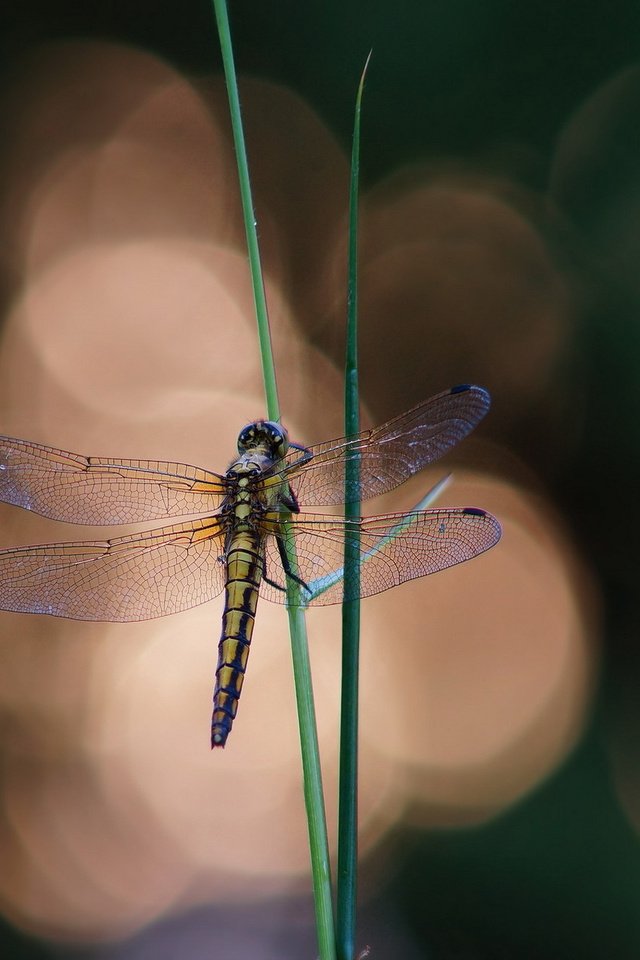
[244, 572]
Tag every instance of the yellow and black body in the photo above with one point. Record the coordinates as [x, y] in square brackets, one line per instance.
[258, 499]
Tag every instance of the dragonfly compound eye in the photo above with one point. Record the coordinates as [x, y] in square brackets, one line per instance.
[276, 437]
[266, 434]
[245, 438]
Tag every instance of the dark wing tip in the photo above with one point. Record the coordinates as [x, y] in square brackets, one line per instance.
[489, 517]
[478, 402]
[479, 391]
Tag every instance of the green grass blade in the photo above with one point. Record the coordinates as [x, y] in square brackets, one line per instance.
[312, 774]
[262, 317]
[314, 800]
[313, 792]
[348, 790]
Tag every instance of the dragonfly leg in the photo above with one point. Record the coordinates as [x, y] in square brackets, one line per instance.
[287, 566]
[267, 578]
[306, 454]
[290, 501]
[274, 583]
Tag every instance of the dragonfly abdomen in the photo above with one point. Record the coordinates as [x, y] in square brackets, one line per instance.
[244, 572]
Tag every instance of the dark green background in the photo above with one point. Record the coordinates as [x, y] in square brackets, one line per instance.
[492, 84]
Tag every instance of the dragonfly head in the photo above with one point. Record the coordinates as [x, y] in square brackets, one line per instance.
[267, 436]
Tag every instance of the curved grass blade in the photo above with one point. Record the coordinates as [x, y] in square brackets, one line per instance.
[348, 784]
[314, 799]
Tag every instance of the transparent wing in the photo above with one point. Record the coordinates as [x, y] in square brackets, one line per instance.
[136, 577]
[394, 548]
[391, 453]
[66, 486]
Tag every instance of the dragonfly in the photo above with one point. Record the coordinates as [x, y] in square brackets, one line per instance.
[240, 529]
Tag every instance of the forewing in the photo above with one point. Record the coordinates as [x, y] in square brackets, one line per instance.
[394, 548]
[136, 577]
[391, 453]
[67, 486]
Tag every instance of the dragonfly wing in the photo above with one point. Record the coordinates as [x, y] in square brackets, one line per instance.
[393, 548]
[391, 453]
[136, 577]
[67, 486]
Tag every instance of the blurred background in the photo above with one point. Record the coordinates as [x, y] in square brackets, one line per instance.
[500, 803]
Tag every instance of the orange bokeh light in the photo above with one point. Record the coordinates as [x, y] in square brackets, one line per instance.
[496, 665]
